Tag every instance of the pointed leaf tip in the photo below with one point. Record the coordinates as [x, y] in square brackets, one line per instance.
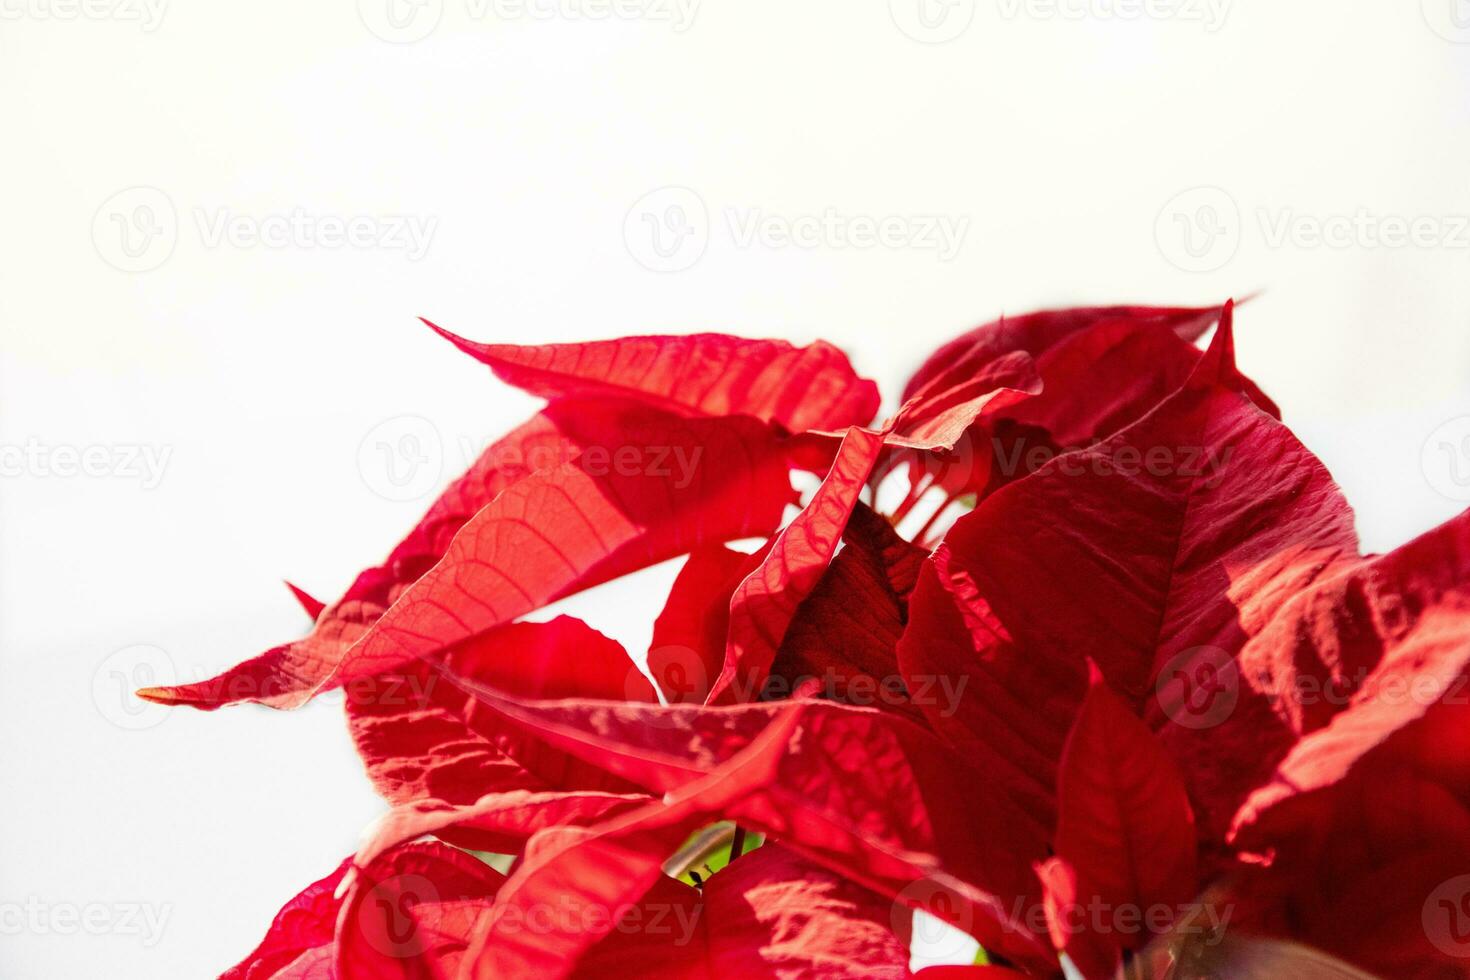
[310, 603]
[470, 347]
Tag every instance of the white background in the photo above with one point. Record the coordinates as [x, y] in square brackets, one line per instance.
[1063, 141]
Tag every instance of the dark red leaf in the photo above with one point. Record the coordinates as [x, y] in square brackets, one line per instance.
[1125, 830]
[1036, 333]
[1173, 541]
[846, 632]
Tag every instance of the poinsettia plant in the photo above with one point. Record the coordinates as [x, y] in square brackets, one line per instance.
[1076, 651]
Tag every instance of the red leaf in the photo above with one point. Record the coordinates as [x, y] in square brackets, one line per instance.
[1035, 333]
[1141, 562]
[1101, 369]
[1362, 656]
[602, 870]
[500, 821]
[424, 742]
[764, 603]
[303, 926]
[687, 651]
[1107, 376]
[846, 632]
[687, 482]
[312, 605]
[937, 415]
[539, 444]
[768, 914]
[967, 973]
[864, 792]
[1066, 902]
[1124, 824]
[409, 915]
[706, 374]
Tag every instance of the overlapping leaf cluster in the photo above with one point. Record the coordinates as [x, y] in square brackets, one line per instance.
[1142, 707]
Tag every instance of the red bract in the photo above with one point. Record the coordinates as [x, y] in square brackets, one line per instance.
[1144, 709]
